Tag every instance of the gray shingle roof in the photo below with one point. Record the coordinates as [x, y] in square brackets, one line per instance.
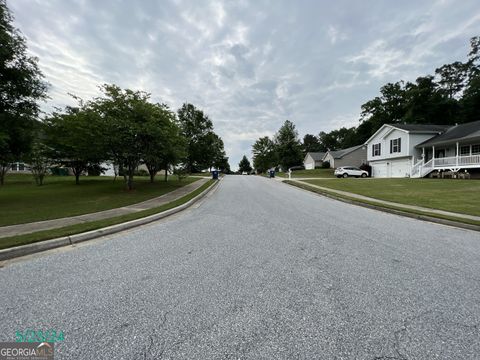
[420, 128]
[317, 156]
[338, 154]
[468, 131]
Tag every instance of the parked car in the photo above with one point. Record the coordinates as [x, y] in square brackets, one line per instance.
[244, 173]
[346, 171]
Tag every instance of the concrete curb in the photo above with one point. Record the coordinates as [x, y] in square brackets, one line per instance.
[392, 211]
[28, 249]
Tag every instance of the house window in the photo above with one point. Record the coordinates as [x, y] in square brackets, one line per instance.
[465, 150]
[395, 145]
[14, 167]
[376, 149]
[21, 167]
[476, 149]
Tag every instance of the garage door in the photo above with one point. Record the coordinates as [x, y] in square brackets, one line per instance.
[379, 170]
[399, 168]
[309, 165]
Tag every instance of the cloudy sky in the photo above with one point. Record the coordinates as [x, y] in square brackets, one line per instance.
[248, 64]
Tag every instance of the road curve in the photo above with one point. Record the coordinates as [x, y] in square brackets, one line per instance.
[259, 270]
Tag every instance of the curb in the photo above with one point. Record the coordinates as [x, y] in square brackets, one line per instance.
[393, 211]
[28, 249]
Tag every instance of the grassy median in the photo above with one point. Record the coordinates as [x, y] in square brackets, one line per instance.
[459, 196]
[425, 215]
[21, 201]
[316, 173]
[79, 228]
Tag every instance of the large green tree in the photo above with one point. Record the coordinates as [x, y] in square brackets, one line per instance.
[288, 146]
[164, 146]
[244, 165]
[311, 144]
[127, 123]
[264, 154]
[197, 129]
[338, 139]
[74, 139]
[21, 87]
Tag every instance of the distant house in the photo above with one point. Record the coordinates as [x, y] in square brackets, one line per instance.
[353, 156]
[20, 167]
[415, 150]
[313, 160]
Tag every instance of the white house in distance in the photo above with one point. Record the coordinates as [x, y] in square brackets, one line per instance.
[415, 150]
[313, 160]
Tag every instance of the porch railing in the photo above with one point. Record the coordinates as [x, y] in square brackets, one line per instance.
[421, 169]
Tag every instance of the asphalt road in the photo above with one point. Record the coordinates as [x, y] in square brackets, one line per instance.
[259, 270]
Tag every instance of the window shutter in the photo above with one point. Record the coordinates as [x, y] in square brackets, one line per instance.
[373, 149]
[379, 149]
[399, 144]
[391, 146]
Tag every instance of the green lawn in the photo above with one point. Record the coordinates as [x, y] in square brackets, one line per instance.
[460, 196]
[21, 201]
[79, 228]
[316, 173]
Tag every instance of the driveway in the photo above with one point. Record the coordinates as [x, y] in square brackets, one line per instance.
[259, 270]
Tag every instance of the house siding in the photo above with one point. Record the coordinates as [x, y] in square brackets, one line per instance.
[309, 163]
[355, 158]
[328, 157]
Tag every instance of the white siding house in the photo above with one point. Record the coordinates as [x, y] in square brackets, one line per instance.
[313, 160]
[391, 151]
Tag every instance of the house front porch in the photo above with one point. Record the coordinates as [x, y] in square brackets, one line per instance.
[448, 157]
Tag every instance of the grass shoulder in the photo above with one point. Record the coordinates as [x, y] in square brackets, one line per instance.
[315, 173]
[400, 210]
[79, 228]
[21, 201]
[459, 196]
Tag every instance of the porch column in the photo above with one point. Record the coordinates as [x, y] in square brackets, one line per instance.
[457, 154]
[433, 156]
[423, 154]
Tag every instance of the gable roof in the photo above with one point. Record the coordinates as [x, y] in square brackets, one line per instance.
[316, 156]
[338, 154]
[468, 131]
[413, 129]
[421, 128]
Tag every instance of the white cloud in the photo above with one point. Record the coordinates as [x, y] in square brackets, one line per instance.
[335, 35]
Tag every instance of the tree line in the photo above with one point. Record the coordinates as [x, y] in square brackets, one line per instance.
[123, 127]
[451, 95]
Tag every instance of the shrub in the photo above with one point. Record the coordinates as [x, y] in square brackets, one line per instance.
[326, 165]
[141, 172]
[367, 168]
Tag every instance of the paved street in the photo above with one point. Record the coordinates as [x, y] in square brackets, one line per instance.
[258, 270]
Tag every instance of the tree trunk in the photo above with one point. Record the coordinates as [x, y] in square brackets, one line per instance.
[166, 173]
[130, 171]
[76, 171]
[152, 171]
[130, 181]
[3, 170]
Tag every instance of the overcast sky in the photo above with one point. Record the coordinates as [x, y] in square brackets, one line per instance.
[248, 64]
